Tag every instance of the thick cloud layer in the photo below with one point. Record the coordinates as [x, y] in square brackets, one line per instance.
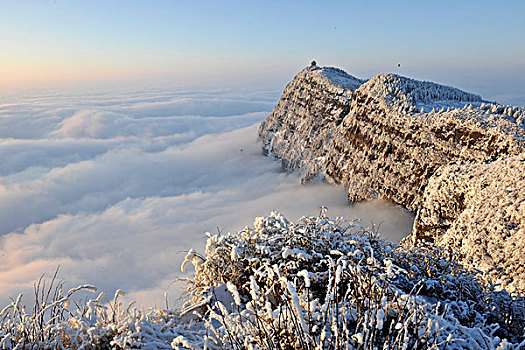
[115, 188]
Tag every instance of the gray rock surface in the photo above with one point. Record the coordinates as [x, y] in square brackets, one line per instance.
[389, 136]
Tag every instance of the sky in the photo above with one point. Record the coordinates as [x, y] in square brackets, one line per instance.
[475, 45]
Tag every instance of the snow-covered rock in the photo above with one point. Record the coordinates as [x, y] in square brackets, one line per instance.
[388, 136]
[386, 147]
[375, 137]
[300, 129]
[478, 210]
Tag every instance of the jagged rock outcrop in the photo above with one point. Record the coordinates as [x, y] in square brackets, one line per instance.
[478, 209]
[300, 129]
[388, 136]
[373, 137]
[387, 146]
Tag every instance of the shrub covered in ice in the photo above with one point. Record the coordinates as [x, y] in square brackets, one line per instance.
[415, 93]
[331, 284]
[63, 320]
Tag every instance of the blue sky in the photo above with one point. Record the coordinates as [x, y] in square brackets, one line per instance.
[476, 45]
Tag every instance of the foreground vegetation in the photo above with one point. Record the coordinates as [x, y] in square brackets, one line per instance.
[316, 284]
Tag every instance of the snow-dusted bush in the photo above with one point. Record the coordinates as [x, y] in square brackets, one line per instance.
[331, 284]
[63, 320]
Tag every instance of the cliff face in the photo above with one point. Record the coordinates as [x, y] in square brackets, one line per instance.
[300, 129]
[386, 147]
[387, 137]
[373, 137]
[478, 210]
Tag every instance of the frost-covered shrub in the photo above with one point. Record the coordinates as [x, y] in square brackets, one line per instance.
[59, 320]
[331, 284]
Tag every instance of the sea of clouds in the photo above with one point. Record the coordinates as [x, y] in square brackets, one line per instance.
[115, 187]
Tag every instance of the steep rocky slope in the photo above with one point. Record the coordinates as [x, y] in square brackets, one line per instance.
[301, 127]
[387, 137]
[387, 146]
[478, 210]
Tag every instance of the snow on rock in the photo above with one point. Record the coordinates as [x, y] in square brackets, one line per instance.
[388, 136]
[386, 147]
[478, 210]
[372, 137]
[400, 90]
[300, 128]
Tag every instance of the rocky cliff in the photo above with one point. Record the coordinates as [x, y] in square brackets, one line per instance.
[389, 136]
[300, 129]
[478, 210]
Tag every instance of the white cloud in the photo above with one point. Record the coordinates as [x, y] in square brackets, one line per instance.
[114, 188]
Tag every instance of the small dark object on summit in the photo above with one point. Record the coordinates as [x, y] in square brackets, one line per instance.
[313, 64]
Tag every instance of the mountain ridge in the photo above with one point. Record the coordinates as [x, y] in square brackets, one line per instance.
[375, 138]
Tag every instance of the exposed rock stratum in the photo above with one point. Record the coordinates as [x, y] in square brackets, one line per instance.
[456, 160]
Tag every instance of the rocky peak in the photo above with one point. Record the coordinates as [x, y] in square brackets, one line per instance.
[300, 128]
[338, 76]
[388, 136]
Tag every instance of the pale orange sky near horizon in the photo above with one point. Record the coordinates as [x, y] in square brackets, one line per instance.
[41, 72]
